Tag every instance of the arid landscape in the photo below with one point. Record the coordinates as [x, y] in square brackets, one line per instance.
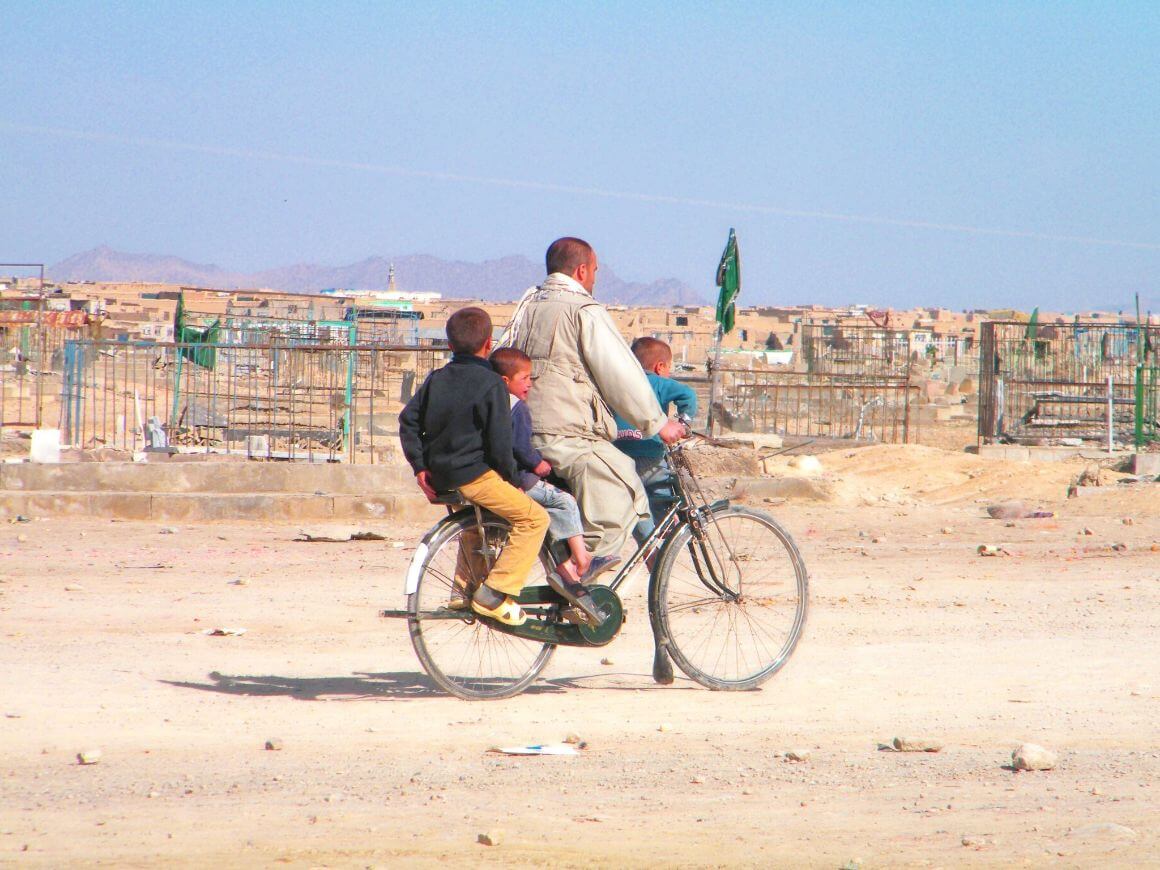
[911, 633]
[905, 257]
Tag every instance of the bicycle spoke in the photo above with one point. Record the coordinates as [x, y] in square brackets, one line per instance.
[465, 656]
[731, 598]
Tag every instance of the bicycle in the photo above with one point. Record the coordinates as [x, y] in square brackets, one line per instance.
[727, 597]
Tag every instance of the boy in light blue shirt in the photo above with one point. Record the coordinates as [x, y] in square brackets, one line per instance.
[656, 358]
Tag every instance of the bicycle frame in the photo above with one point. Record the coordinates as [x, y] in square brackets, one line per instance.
[682, 506]
[695, 538]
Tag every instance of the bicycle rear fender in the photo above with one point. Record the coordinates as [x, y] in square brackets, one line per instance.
[415, 569]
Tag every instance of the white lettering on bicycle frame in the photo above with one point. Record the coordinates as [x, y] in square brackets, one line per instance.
[416, 569]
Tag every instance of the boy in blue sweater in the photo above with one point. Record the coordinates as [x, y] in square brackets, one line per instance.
[656, 358]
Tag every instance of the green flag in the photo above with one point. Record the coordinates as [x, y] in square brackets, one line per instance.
[729, 280]
[1033, 324]
[179, 317]
[205, 355]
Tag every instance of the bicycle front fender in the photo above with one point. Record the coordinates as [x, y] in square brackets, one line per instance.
[721, 504]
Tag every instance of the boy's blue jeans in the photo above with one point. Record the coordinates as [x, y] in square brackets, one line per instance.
[657, 478]
[562, 511]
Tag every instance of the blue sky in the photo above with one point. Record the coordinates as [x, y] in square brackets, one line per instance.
[970, 154]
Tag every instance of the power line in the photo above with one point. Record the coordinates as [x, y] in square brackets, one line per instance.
[549, 187]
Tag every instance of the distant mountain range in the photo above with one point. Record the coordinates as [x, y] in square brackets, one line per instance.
[492, 280]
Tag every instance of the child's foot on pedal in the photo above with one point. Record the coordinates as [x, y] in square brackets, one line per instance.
[495, 605]
[569, 571]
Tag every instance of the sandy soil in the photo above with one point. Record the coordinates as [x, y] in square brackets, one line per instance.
[102, 647]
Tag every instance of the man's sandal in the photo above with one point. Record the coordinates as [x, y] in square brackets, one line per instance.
[662, 666]
[598, 566]
[507, 612]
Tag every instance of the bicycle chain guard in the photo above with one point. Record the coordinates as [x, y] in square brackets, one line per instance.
[563, 633]
[608, 603]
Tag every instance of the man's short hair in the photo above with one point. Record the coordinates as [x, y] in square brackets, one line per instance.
[651, 351]
[468, 330]
[507, 361]
[566, 254]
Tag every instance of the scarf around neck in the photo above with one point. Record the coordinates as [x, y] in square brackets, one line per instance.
[556, 282]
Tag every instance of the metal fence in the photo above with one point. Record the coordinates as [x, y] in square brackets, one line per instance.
[821, 405]
[874, 350]
[31, 358]
[858, 350]
[1093, 382]
[312, 402]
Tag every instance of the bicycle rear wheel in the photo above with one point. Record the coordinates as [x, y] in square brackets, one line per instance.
[460, 653]
[730, 596]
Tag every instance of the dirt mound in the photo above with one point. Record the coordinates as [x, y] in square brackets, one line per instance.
[709, 460]
[910, 472]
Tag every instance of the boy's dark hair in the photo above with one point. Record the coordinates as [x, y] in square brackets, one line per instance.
[565, 254]
[468, 330]
[651, 351]
[507, 361]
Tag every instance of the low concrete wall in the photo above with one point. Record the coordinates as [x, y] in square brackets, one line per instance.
[1018, 452]
[226, 477]
[188, 491]
[1146, 463]
[209, 507]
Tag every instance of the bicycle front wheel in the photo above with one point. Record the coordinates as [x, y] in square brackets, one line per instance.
[730, 596]
[460, 653]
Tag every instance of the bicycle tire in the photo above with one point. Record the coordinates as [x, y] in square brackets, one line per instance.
[464, 656]
[738, 635]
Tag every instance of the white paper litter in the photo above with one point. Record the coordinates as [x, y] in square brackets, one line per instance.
[538, 749]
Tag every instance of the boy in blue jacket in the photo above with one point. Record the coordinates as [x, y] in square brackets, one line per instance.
[656, 358]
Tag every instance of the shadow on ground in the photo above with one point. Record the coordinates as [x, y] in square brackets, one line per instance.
[359, 686]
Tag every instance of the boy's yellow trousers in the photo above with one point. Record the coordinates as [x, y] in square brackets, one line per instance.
[529, 524]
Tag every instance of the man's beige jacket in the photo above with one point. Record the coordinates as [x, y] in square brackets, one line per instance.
[582, 368]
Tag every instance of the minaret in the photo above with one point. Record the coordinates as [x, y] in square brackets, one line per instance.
[391, 288]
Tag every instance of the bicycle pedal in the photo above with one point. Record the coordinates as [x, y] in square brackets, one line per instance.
[576, 616]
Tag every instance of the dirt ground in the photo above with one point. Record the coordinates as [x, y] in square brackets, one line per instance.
[911, 632]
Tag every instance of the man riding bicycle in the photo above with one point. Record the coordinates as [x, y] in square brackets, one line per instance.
[727, 595]
[583, 371]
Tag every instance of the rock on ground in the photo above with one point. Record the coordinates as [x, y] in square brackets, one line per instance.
[916, 744]
[1029, 756]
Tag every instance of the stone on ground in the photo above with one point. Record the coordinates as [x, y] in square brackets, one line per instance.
[1007, 510]
[916, 744]
[1029, 756]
